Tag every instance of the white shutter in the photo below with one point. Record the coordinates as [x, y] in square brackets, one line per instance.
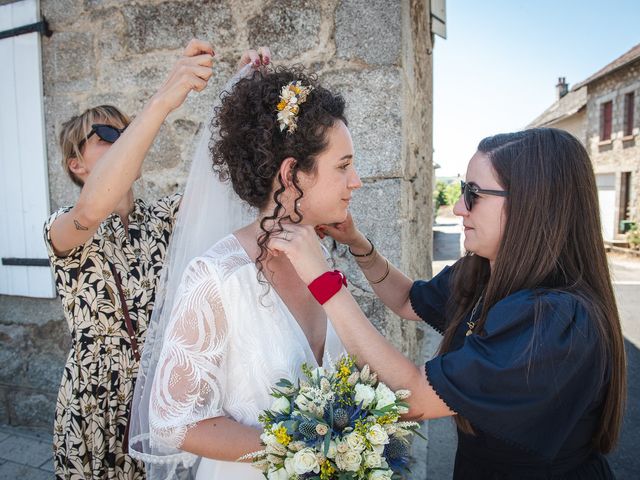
[24, 192]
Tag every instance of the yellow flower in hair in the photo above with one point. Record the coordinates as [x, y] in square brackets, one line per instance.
[291, 97]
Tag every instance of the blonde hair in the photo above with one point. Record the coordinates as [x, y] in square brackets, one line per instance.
[75, 130]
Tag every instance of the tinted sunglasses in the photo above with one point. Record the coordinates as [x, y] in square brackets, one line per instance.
[470, 192]
[107, 133]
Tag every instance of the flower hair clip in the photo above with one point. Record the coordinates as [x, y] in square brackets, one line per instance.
[291, 97]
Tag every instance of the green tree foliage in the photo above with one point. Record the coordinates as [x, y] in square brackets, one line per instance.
[439, 195]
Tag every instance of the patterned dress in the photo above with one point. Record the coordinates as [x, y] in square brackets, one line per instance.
[98, 380]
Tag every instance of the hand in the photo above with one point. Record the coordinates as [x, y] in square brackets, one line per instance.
[301, 246]
[347, 233]
[257, 58]
[191, 72]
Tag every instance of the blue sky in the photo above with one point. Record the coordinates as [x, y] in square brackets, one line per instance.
[499, 65]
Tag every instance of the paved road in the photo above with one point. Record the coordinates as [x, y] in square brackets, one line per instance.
[625, 273]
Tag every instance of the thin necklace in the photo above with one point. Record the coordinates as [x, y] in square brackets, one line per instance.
[471, 324]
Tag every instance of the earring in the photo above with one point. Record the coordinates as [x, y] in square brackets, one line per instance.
[298, 204]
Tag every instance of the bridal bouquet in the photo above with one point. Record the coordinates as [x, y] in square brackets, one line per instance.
[342, 425]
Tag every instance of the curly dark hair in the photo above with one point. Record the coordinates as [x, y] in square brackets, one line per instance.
[251, 148]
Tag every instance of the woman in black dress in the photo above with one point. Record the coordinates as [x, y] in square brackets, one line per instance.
[532, 363]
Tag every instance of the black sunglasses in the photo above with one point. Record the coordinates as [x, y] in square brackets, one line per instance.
[470, 192]
[107, 133]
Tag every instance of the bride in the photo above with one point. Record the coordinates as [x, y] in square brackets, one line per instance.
[230, 322]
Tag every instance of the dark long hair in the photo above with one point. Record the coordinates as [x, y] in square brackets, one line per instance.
[552, 240]
[251, 147]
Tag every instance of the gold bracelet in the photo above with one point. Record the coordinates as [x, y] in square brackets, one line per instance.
[386, 274]
[365, 264]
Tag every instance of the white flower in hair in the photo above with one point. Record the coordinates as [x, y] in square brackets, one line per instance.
[292, 96]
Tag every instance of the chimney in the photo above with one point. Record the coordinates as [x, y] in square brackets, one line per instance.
[562, 87]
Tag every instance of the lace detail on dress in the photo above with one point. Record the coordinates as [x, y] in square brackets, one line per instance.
[190, 381]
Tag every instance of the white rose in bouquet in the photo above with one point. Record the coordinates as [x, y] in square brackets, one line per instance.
[384, 396]
[306, 461]
[372, 459]
[302, 402]
[280, 474]
[349, 461]
[280, 405]
[268, 438]
[355, 442]
[364, 394]
[377, 435]
[379, 449]
[289, 465]
[380, 475]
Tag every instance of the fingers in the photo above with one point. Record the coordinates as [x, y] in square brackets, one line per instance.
[277, 245]
[204, 60]
[197, 47]
[259, 57]
[265, 55]
[202, 72]
[250, 57]
[197, 83]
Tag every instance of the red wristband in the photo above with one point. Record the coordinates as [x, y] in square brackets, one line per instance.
[327, 285]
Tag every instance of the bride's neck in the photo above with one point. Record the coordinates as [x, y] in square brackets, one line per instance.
[249, 235]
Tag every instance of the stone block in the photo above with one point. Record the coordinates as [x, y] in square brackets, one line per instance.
[61, 13]
[31, 409]
[165, 151]
[374, 113]
[139, 76]
[170, 25]
[112, 40]
[69, 62]
[14, 342]
[5, 419]
[376, 212]
[30, 311]
[58, 108]
[369, 30]
[288, 27]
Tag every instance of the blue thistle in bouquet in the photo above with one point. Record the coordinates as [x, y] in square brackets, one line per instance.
[337, 424]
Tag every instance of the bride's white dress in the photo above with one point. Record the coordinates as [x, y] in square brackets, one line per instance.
[229, 341]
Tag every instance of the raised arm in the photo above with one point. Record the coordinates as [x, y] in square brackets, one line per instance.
[113, 174]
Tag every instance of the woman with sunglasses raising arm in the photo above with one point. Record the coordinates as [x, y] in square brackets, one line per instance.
[106, 253]
[532, 363]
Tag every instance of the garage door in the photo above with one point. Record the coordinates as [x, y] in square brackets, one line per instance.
[606, 183]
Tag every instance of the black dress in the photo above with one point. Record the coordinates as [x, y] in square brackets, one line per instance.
[534, 407]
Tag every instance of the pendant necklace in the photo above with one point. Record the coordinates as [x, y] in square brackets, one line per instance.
[470, 323]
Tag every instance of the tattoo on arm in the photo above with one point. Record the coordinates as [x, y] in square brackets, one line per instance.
[79, 226]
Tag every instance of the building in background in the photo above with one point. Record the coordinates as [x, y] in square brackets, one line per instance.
[602, 111]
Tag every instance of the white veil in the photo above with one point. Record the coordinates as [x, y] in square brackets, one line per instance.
[209, 211]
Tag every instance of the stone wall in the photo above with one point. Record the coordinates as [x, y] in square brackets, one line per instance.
[620, 154]
[376, 53]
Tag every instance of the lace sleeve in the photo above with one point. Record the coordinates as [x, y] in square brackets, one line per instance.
[189, 383]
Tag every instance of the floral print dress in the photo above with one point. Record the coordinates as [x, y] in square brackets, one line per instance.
[99, 376]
